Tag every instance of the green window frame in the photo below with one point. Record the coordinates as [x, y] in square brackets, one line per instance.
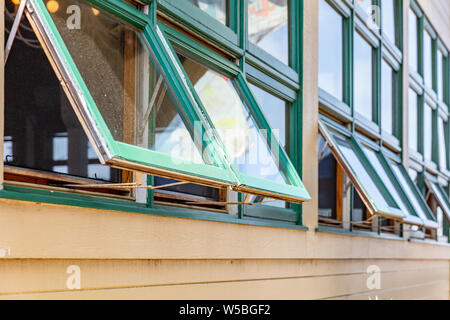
[118, 154]
[429, 96]
[440, 195]
[200, 22]
[378, 157]
[183, 44]
[376, 198]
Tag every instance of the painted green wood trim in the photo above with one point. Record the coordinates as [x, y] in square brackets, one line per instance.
[264, 185]
[163, 54]
[431, 221]
[446, 199]
[265, 81]
[259, 59]
[358, 233]
[392, 210]
[217, 62]
[366, 125]
[196, 50]
[273, 213]
[75, 75]
[200, 22]
[233, 15]
[84, 201]
[189, 115]
[340, 7]
[366, 33]
[123, 11]
[283, 158]
[164, 161]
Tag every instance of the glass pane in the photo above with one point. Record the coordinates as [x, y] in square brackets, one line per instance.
[138, 107]
[440, 75]
[42, 131]
[413, 174]
[413, 41]
[377, 162]
[243, 140]
[442, 144]
[7, 149]
[276, 111]
[428, 132]
[412, 120]
[408, 186]
[387, 98]
[388, 22]
[441, 197]
[363, 77]
[359, 168]
[331, 51]
[427, 59]
[215, 8]
[268, 27]
[327, 181]
[365, 4]
[359, 212]
[440, 221]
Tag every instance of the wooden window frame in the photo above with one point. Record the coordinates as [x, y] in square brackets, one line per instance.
[285, 86]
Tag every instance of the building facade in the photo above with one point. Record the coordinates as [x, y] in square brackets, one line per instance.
[225, 149]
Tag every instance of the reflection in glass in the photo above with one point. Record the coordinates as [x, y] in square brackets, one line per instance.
[363, 86]
[442, 144]
[440, 75]
[428, 59]
[357, 164]
[331, 51]
[413, 174]
[388, 19]
[387, 97]
[268, 27]
[276, 111]
[413, 41]
[413, 131]
[408, 188]
[42, 131]
[137, 107]
[215, 8]
[439, 193]
[375, 159]
[327, 181]
[428, 132]
[236, 126]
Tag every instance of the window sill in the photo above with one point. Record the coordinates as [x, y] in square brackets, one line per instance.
[95, 202]
[358, 233]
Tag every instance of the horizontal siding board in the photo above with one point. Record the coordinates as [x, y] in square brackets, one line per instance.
[34, 230]
[318, 279]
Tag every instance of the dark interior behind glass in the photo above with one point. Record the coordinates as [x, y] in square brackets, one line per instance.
[42, 131]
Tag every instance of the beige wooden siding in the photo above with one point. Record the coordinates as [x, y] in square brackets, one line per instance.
[123, 255]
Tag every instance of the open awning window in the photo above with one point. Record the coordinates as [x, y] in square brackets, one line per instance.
[383, 169]
[440, 195]
[370, 187]
[383, 184]
[414, 195]
[139, 110]
[251, 145]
